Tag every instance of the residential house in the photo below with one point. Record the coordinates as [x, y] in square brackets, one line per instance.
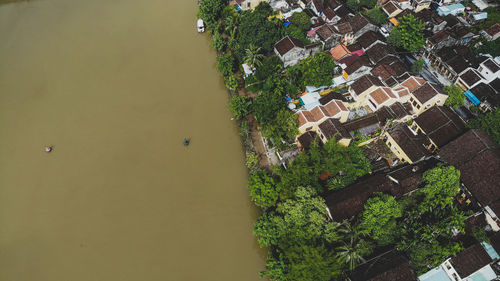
[477, 156]
[310, 119]
[339, 52]
[419, 5]
[246, 4]
[487, 71]
[440, 124]
[453, 9]
[426, 96]
[474, 263]
[392, 9]
[363, 86]
[369, 38]
[484, 95]
[451, 61]
[493, 32]
[388, 266]
[305, 140]
[379, 51]
[349, 201]
[291, 50]
[332, 128]
[354, 67]
[408, 145]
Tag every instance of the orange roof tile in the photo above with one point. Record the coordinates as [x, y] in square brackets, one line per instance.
[379, 95]
[332, 108]
[411, 84]
[317, 113]
[341, 105]
[339, 52]
[302, 119]
[308, 115]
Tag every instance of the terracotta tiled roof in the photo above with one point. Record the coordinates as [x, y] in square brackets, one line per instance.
[317, 113]
[341, 105]
[368, 38]
[339, 52]
[301, 118]
[412, 83]
[332, 108]
[309, 116]
[380, 96]
[440, 36]
[288, 43]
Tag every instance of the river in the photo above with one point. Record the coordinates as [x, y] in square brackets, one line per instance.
[115, 86]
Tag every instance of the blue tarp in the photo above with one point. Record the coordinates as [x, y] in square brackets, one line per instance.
[472, 98]
[287, 23]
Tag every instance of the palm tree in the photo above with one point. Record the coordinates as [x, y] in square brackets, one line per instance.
[252, 57]
[352, 252]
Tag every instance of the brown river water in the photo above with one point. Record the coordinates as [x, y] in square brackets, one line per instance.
[115, 86]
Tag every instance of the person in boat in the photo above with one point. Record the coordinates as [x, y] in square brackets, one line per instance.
[186, 142]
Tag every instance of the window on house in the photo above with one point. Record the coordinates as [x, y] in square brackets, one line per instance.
[480, 69]
[373, 104]
[418, 106]
[309, 128]
[248, 5]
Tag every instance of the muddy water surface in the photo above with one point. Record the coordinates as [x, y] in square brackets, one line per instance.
[115, 86]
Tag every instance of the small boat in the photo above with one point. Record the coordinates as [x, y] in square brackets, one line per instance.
[186, 142]
[48, 148]
[201, 26]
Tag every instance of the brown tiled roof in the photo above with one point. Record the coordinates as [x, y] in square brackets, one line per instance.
[412, 84]
[362, 122]
[470, 260]
[343, 28]
[414, 146]
[329, 13]
[324, 32]
[494, 29]
[470, 77]
[333, 108]
[383, 71]
[348, 202]
[409, 177]
[317, 113]
[309, 116]
[318, 4]
[357, 22]
[441, 124]
[491, 65]
[364, 83]
[391, 7]
[426, 92]
[391, 266]
[378, 52]
[477, 157]
[483, 92]
[288, 43]
[342, 11]
[391, 81]
[301, 118]
[307, 138]
[368, 38]
[380, 96]
[332, 3]
[440, 36]
[495, 241]
[339, 52]
[457, 63]
[362, 61]
[333, 128]
[331, 96]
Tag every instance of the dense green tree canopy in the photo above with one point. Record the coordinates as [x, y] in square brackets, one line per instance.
[456, 97]
[283, 127]
[337, 164]
[263, 189]
[489, 122]
[257, 29]
[267, 105]
[379, 218]
[409, 34]
[210, 11]
[240, 106]
[377, 15]
[315, 70]
[417, 66]
[312, 263]
[441, 185]
[226, 64]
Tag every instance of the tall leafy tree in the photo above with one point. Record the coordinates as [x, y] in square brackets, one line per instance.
[263, 189]
[210, 11]
[283, 127]
[456, 97]
[312, 263]
[379, 218]
[240, 106]
[441, 185]
[253, 57]
[409, 34]
[417, 66]
[489, 122]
